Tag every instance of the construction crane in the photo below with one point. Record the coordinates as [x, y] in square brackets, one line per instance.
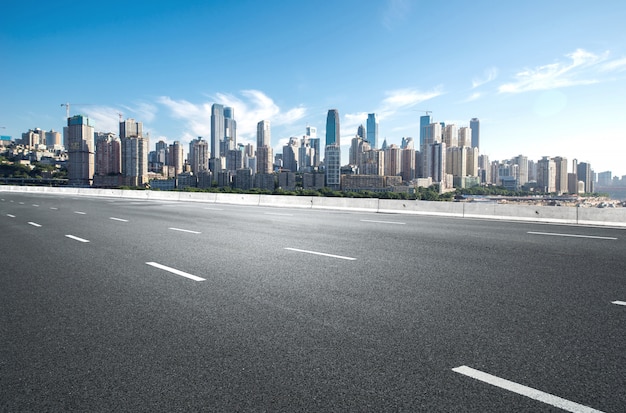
[427, 112]
[67, 107]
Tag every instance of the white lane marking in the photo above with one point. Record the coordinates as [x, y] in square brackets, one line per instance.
[34, 224]
[276, 213]
[383, 222]
[21, 203]
[570, 235]
[54, 208]
[525, 390]
[74, 237]
[185, 230]
[175, 271]
[10, 216]
[118, 219]
[618, 302]
[214, 209]
[35, 205]
[321, 253]
[80, 212]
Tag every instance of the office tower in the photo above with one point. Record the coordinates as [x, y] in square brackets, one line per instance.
[263, 134]
[53, 140]
[358, 147]
[475, 128]
[230, 126]
[393, 160]
[108, 154]
[424, 122]
[332, 128]
[79, 135]
[134, 153]
[546, 175]
[373, 163]
[360, 132]
[465, 137]
[332, 156]
[451, 136]
[264, 153]
[484, 169]
[198, 155]
[235, 160]
[408, 163]
[584, 175]
[435, 161]
[430, 134]
[522, 171]
[560, 163]
[291, 155]
[217, 136]
[175, 158]
[372, 130]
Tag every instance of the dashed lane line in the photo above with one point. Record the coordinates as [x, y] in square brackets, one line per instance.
[321, 253]
[80, 212]
[554, 234]
[75, 238]
[185, 230]
[525, 390]
[34, 224]
[175, 271]
[10, 215]
[118, 219]
[383, 222]
[619, 302]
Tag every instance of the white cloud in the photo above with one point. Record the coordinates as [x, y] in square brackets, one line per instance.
[250, 107]
[143, 112]
[581, 69]
[489, 75]
[395, 13]
[104, 118]
[614, 65]
[474, 96]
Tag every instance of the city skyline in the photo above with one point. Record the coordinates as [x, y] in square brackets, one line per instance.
[544, 79]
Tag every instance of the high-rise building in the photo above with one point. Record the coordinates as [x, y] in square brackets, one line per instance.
[360, 132]
[217, 136]
[475, 128]
[372, 130]
[465, 137]
[263, 134]
[451, 136]
[425, 121]
[393, 160]
[175, 158]
[332, 156]
[291, 155]
[522, 171]
[79, 135]
[134, 153]
[546, 175]
[408, 163]
[33, 138]
[108, 154]
[560, 164]
[198, 155]
[430, 134]
[585, 175]
[332, 128]
[53, 140]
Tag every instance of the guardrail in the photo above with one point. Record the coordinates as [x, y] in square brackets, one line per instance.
[565, 215]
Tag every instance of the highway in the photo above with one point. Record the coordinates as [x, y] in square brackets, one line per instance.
[112, 304]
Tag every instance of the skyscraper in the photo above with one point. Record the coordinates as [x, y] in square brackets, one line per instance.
[372, 130]
[264, 156]
[475, 128]
[332, 156]
[134, 153]
[217, 136]
[79, 135]
[263, 134]
[198, 155]
[332, 128]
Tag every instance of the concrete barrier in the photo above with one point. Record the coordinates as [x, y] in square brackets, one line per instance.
[567, 215]
[602, 216]
[237, 199]
[352, 204]
[399, 206]
[285, 201]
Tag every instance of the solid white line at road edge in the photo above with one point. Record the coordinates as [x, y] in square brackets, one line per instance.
[322, 253]
[74, 237]
[618, 302]
[185, 230]
[570, 235]
[175, 271]
[525, 390]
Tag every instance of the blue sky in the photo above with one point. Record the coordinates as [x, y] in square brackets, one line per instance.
[545, 78]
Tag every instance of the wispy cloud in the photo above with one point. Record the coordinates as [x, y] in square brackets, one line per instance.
[396, 101]
[474, 96]
[489, 75]
[396, 11]
[614, 65]
[250, 107]
[105, 118]
[581, 68]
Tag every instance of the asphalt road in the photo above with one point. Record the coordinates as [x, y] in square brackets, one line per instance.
[124, 305]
